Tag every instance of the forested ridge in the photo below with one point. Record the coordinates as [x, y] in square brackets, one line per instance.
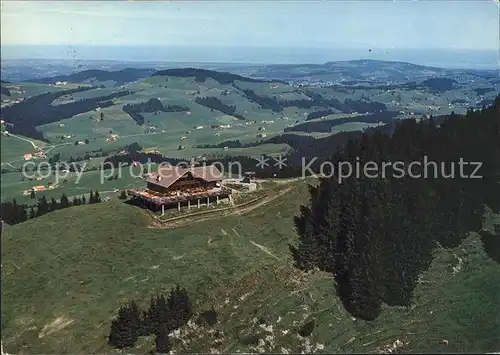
[377, 235]
[313, 100]
[214, 103]
[12, 213]
[201, 75]
[119, 76]
[327, 125]
[38, 110]
[150, 106]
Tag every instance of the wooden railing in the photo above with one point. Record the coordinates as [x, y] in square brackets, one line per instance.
[223, 211]
[161, 199]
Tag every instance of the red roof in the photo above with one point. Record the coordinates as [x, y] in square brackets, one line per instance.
[168, 174]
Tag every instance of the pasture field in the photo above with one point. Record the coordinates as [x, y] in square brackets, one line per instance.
[64, 278]
[175, 135]
[25, 90]
[13, 183]
[163, 131]
[14, 147]
[352, 126]
[335, 116]
[13, 186]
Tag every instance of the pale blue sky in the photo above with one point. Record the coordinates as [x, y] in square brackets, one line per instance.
[436, 24]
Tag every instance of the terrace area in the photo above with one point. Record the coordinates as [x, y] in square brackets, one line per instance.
[176, 197]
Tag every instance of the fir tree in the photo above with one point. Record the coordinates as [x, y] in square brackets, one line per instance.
[43, 206]
[154, 314]
[124, 329]
[32, 213]
[135, 320]
[179, 308]
[162, 340]
[359, 271]
[64, 202]
[53, 205]
[145, 328]
[382, 231]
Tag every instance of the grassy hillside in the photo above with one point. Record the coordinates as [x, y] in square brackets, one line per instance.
[169, 126]
[63, 282]
[14, 147]
[25, 90]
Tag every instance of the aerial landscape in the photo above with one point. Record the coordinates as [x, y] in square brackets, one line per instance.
[265, 177]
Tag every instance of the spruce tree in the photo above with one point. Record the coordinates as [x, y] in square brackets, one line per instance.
[153, 315]
[53, 205]
[359, 271]
[64, 201]
[122, 330]
[43, 206]
[32, 213]
[145, 328]
[179, 308]
[317, 228]
[91, 197]
[379, 233]
[23, 215]
[162, 340]
[135, 320]
[162, 316]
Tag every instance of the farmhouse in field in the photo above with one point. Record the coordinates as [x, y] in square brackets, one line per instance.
[173, 185]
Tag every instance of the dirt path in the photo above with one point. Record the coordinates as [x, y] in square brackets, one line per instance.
[137, 134]
[262, 202]
[236, 211]
[24, 139]
[58, 324]
[48, 147]
[265, 250]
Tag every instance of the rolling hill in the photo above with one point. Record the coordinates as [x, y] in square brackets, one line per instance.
[99, 77]
[364, 71]
[191, 112]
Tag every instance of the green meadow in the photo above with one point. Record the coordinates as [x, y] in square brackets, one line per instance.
[65, 274]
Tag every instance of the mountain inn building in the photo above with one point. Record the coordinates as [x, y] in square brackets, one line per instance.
[175, 186]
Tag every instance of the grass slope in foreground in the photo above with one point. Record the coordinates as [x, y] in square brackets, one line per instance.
[64, 276]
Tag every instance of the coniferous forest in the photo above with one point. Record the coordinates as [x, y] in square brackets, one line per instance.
[165, 314]
[377, 235]
[12, 212]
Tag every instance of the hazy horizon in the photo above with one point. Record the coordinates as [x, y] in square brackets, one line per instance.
[253, 55]
[440, 33]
